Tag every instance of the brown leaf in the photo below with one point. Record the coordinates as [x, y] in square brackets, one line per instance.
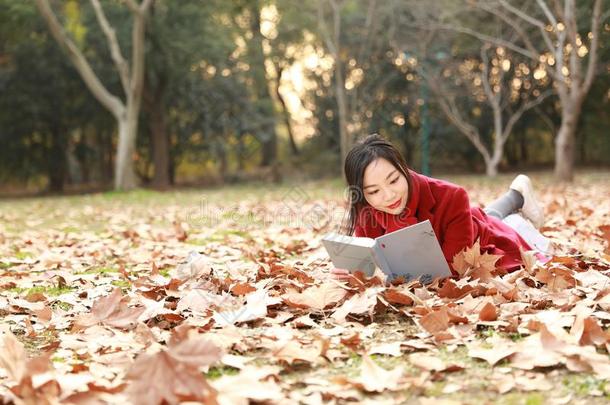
[180, 232]
[173, 375]
[373, 378]
[488, 313]
[352, 342]
[242, 289]
[556, 278]
[111, 310]
[470, 262]
[195, 352]
[494, 350]
[13, 357]
[318, 297]
[435, 321]
[293, 350]
[427, 362]
[357, 304]
[450, 289]
[587, 331]
[397, 297]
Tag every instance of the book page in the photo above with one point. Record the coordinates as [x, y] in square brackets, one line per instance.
[351, 253]
[414, 252]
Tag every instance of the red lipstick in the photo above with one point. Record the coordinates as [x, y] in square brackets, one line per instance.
[396, 204]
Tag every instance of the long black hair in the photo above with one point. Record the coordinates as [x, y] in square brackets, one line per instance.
[366, 150]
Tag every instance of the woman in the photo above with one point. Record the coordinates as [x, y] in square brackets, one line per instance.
[385, 195]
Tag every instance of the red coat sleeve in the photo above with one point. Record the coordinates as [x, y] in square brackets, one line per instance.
[458, 226]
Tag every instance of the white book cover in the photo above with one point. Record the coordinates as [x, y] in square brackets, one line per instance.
[411, 252]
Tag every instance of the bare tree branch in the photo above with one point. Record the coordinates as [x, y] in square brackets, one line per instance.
[483, 37]
[595, 23]
[493, 99]
[518, 29]
[524, 107]
[541, 26]
[548, 13]
[133, 6]
[107, 99]
[113, 44]
[324, 29]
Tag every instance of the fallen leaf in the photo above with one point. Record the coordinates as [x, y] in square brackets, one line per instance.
[317, 297]
[374, 378]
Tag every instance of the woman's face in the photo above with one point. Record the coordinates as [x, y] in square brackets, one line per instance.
[385, 188]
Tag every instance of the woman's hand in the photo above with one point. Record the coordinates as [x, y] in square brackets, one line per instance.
[340, 274]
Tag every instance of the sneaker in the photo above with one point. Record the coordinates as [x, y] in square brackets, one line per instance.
[531, 207]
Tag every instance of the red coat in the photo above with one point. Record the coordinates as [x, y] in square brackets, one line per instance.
[457, 225]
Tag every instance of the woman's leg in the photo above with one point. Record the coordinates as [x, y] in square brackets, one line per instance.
[529, 233]
[509, 203]
[520, 196]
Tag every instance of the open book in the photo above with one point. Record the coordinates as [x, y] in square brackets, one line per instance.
[411, 252]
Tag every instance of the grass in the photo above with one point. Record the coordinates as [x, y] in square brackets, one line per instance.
[101, 270]
[76, 214]
[217, 372]
[46, 290]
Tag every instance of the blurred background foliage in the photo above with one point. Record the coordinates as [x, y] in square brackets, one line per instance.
[255, 89]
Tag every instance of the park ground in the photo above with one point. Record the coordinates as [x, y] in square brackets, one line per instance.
[94, 289]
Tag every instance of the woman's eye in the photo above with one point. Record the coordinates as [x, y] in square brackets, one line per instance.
[373, 192]
[394, 181]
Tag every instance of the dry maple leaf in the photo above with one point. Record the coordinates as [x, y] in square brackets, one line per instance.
[471, 262]
[586, 330]
[556, 278]
[111, 310]
[20, 370]
[293, 350]
[427, 361]
[488, 312]
[357, 304]
[493, 350]
[374, 378]
[317, 297]
[435, 321]
[174, 375]
[251, 384]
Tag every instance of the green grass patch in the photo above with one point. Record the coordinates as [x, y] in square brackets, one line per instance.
[217, 372]
[585, 385]
[46, 290]
[62, 305]
[220, 236]
[22, 255]
[100, 270]
[121, 283]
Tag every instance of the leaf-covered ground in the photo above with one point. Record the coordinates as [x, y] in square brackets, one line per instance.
[223, 296]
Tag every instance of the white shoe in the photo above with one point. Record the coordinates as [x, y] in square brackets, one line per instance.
[531, 207]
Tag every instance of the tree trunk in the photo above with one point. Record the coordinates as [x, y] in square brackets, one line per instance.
[124, 174]
[159, 138]
[342, 110]
[491, 167]
[267, 135]
[285, 114]
[565, 142]
[126, 113]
